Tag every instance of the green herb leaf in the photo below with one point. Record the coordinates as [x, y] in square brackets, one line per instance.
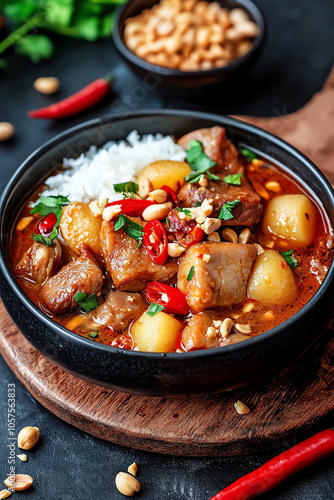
[291, 260]
[226, 211]
[167, 223]
[131, 228]
[37, 47]
[154, 309]
[185, 211]
[50, 204]
[87, 303]
[126, 187]
[199, 162]
[248, 154]
[93, 334]
[234, 179]
[191, 273]
[42, 239]
[197, 204]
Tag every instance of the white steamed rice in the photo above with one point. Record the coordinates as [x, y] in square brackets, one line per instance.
[92, 175]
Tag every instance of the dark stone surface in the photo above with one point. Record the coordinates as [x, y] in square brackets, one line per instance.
[68, 464]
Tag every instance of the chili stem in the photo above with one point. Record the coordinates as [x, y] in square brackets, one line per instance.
[34, 22]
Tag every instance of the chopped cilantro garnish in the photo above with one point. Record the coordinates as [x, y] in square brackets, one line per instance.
[42, 239]
[226, 211]
[154, 309]
[234, 179]
[87, 303]
[185, 211]
[248, 154]
[167, 223]
[131, 228]
[191, 273]
[197, 204]
[93, 334]
[199, 163]
[126, 187]
[291, 260]
[50, 204]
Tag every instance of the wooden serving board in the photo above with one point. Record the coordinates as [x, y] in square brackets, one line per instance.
[281, 407]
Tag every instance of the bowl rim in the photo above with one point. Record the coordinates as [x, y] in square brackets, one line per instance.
[80, 341]
[164, 71]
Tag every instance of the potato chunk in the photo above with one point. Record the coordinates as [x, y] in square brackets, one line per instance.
[291, 216]
[171, 173]
[272, 279]
[79, 226]
[156, 333]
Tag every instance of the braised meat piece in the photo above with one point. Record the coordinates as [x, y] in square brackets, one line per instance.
[119, 309]
[216, 147]
[130, 267]
[197, 335]
[39, 262]
[247, 213]
[81, 275]
[222, 281]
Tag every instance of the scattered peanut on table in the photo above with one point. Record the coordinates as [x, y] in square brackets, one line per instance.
[127, 484]
[190, 35]
[18, 482]
[28, 437]
[47, 85]
[6, 131]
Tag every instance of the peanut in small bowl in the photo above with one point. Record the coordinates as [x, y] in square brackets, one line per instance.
[189, 43]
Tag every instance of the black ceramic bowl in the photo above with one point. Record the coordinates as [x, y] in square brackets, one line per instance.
[199, 372]
[188, 79]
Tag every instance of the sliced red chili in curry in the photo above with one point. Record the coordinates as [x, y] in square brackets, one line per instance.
[171, 195]
[173, 300]
[155, 241]
[132, 207]
[186, 233]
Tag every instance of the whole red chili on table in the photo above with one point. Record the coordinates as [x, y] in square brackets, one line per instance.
[132, 207]
[279, 468]
[84, 99]
[155, 241]
[173, 300]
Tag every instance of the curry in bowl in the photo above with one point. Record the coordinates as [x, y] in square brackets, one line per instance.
[204, 246]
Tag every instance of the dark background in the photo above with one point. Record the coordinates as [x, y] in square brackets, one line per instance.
[68, 464]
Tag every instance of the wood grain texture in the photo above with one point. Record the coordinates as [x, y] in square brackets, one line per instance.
[281, 407]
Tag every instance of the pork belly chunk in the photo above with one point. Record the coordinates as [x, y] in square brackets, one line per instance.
[81, 275]
[222, 281]
[216, 147]
[119, 309]
[247, 213]
[39, 262]
[131, 268]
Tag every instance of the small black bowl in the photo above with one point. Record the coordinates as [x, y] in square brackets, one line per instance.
[189, 79]
[199, 372]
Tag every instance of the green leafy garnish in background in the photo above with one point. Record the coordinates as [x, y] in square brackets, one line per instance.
[199, 163]
[291, 260]
[248, 154]
[88, 19]
[87, 303]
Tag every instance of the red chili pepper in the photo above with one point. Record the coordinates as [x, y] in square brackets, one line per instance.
[279, 468]
[194, 236]
[179, 344]
[156, 242]
[187, 234]
[47, 224]
[171, 195]
[132, 207]
[176, 301]
[85, 98]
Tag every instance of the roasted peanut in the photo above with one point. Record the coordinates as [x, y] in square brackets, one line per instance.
[47, 85]
[24, 222]
[132, 469]
[6, 131]
[157, 211]
[211, 225]
[127, 484]
[244, 236]
[241, 408]
[4, 494]
[19, 482]
[226, 327]
[110, 212]
[158, 195]
[230, 235]
[144, 187]
[175, 250]
[28, 437]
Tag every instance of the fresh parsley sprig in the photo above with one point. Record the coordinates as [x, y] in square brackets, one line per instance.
[234, 179]
[87, 303]
[126, 187]
[131, 228]
[226, 211]
[154, 309]
[199, 163]
[289, 257]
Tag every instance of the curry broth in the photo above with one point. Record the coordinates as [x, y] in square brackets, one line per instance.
[313, 263]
